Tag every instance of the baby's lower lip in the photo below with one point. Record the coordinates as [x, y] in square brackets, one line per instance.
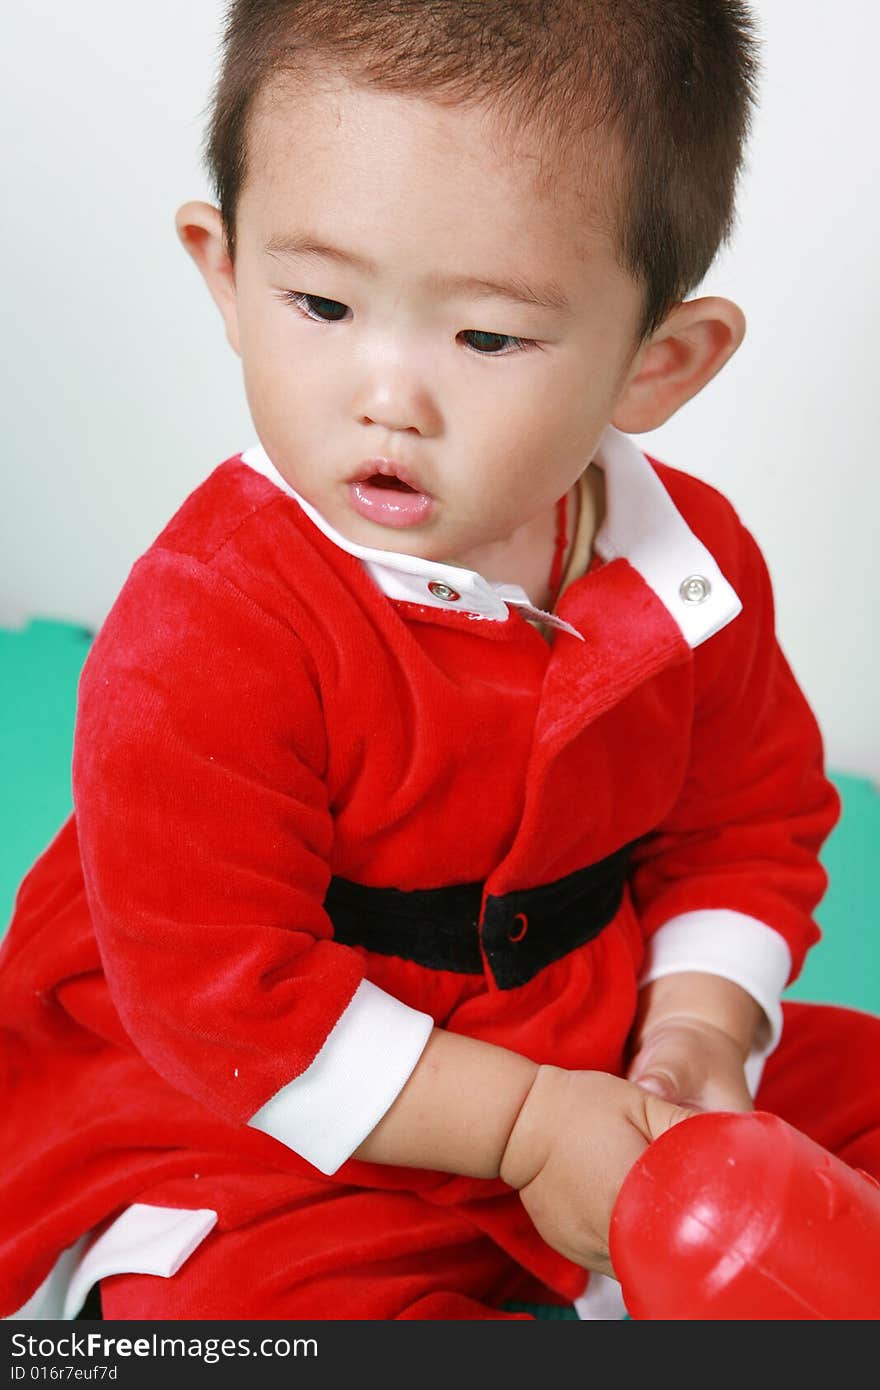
[389, 505]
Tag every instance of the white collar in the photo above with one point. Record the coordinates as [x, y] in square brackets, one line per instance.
[642, 525]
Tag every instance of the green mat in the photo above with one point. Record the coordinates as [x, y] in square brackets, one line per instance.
[39, 669]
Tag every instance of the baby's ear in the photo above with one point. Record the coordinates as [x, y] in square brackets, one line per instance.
[691, 345]
[200, 228]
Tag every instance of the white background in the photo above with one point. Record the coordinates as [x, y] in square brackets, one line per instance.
[120, 393]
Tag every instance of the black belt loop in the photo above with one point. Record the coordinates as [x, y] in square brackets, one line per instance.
[522, 931]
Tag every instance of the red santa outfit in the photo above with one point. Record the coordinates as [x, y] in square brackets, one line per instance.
[326, 797]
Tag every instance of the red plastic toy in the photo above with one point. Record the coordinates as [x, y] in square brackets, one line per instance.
[743, 1217]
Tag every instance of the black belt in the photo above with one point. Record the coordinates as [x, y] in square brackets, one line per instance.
[522, 931]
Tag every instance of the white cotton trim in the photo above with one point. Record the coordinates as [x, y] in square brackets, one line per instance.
[411, 579]
[143, 1240]
[643, 525]
[325, 1113]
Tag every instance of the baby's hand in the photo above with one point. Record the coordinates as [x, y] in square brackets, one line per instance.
[692, 1037]
[692, 1063]
[574, 1141]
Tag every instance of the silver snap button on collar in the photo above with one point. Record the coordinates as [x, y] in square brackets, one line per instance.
[443, 591]
[695, 589]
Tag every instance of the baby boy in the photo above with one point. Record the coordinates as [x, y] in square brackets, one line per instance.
[446, 815]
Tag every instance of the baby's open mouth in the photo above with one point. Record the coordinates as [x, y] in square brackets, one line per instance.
[396, 484]
[389, 501]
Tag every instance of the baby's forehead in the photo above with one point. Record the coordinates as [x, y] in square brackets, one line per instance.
[558, 165]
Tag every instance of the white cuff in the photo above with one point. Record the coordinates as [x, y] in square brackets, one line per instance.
[738, 948]
[325, 1113]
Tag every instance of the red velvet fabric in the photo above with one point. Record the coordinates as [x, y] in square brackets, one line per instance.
[254, 717]
[389, 1255]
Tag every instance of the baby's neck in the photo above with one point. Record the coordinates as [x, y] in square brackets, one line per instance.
[523, 558]
[526, 556]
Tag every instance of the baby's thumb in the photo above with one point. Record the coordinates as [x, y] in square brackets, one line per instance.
[665, 1068]
[659, 1083]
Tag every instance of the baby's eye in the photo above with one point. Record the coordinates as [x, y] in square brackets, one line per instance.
[314, 306]
[321, 310]
[488, 347]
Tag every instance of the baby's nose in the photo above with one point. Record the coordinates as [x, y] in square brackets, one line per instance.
[398, 399]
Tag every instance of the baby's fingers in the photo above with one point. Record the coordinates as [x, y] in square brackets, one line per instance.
[692, 1064]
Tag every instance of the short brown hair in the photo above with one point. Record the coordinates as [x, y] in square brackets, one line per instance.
[671, 80]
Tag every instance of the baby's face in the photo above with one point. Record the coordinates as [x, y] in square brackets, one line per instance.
[392, 379]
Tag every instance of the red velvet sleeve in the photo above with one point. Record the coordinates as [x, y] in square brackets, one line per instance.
[205, 835]
[756, 806]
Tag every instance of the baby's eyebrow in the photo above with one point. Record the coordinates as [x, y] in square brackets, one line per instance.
[516, 289]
